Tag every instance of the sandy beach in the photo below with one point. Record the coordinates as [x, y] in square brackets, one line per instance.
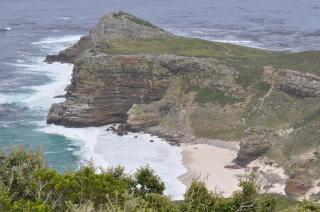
[208, 162]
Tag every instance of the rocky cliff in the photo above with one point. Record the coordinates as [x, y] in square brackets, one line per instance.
[130, 71]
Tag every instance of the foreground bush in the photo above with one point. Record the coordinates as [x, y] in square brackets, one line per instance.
[27, 183]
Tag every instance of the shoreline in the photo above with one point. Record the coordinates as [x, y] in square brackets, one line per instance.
[208, 162]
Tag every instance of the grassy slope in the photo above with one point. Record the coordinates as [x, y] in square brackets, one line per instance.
[248, 61]
[280, 108]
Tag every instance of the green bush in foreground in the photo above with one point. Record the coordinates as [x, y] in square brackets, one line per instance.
[27, 183]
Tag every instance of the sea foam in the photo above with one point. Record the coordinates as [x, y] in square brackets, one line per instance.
[5, 29]
[55, 40]
[103, 149]
[100, 147]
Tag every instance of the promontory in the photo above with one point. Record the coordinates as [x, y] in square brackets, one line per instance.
[190, 90]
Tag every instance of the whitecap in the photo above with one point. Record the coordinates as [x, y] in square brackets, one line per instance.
[52, 45]
[60, 74]
[97, 145]
[104, 148]
[64, 18]
[218, 35]
[44, 94]
[5, 29]
[61, 39]
[12, 98]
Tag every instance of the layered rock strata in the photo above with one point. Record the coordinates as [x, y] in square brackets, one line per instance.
[130, 71]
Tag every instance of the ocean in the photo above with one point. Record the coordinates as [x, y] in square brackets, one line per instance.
[31, 29]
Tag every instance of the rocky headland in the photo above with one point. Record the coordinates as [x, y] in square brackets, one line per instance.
[193, 91]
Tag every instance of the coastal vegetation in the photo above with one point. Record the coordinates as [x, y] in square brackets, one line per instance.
[187, 90]
[248, 61]
[27, 183]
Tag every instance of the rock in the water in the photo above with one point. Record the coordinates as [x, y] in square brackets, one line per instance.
[121, 130]
[59, 96]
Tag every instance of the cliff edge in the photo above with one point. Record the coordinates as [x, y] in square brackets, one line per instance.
[130, 71]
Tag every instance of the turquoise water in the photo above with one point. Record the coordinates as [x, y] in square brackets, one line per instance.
[58, 150]
[31, 29]
[23, 121]
[23, 110]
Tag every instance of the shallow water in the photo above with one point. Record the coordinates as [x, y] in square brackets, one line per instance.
[31, 29]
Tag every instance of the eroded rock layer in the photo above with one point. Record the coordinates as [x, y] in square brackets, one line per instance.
[130, 71]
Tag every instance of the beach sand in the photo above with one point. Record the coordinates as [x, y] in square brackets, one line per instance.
[208, 163]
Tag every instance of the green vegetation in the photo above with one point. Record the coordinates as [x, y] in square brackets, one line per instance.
[134, 19]
[182, 46]
[205, 95]
[28, 184]
[227, 135]
[262, 88]
[248, 61]
[275, 112]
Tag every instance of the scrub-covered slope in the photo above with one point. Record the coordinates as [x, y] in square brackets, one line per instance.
[130, 71]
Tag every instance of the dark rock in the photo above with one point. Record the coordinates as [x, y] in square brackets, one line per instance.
[69, 55]
[294, 83]
[233, 166]
[269, 163]
[121, 130]
[298, 184]
[250, 151]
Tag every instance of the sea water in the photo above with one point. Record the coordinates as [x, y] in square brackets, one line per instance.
[80, 146]
[31, 29]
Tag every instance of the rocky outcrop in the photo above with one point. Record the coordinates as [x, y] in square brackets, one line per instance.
[249, 151]
[118, 25]
[105, 87]
[140, 120]
[298, 184]
[69, 55]
[299, 84]
[294, 83]
[188, 90]
[123, 25]
[253, 146]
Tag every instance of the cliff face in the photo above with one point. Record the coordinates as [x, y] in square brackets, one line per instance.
[104, 88]
[130, 71]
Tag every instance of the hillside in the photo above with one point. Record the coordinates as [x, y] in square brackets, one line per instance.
[190, 90]
[28, 184]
